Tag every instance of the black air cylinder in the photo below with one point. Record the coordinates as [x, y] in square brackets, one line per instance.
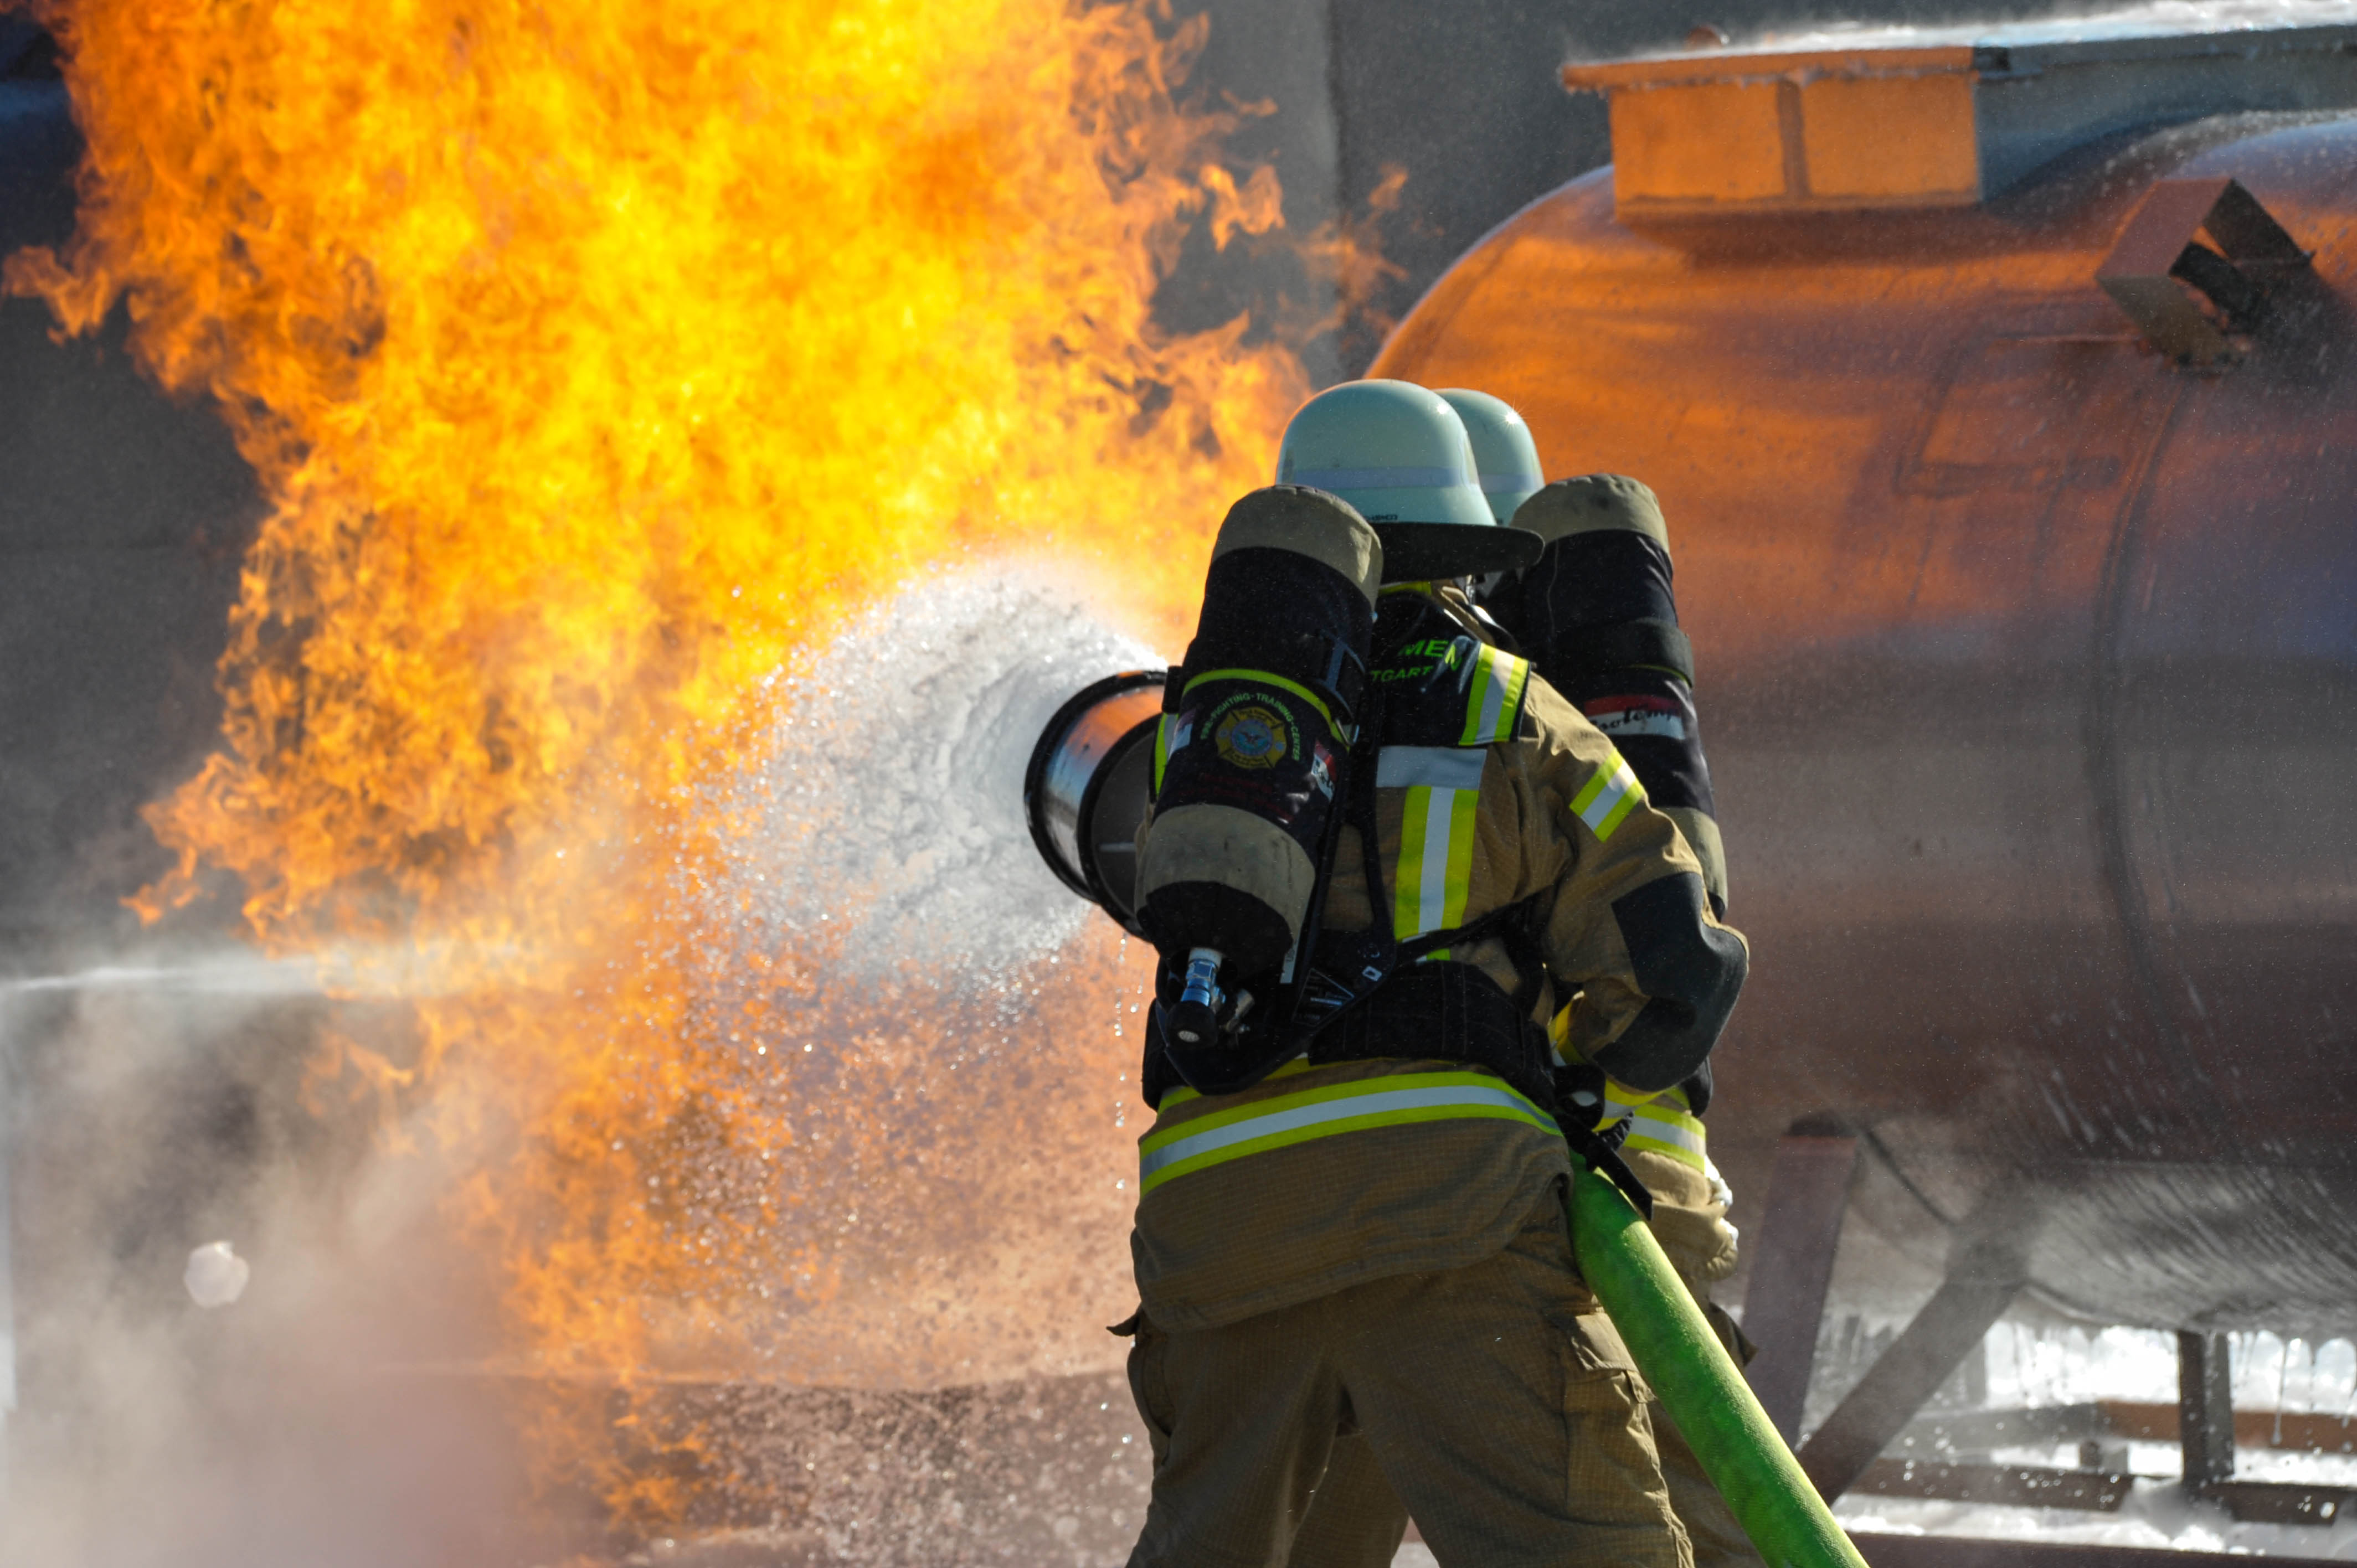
[1256, 733]
[1598, 619]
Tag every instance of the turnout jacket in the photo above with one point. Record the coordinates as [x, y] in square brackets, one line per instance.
[1321, 1177]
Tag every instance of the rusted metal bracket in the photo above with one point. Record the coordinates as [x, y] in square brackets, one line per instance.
[2012, 1486]
[1954, 1552]
[2159, 265]
[2102, 1422]
[2092, 1489]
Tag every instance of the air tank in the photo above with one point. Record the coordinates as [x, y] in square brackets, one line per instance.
[2019, 546]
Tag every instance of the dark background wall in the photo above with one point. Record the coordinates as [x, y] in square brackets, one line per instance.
[123, 515]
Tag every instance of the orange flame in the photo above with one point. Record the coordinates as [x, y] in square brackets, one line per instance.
[597, 361]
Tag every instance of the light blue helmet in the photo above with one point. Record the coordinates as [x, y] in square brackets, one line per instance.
[1399, 454]
[1505, 458]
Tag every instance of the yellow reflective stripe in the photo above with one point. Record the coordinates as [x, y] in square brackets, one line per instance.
[1400, 1099]
[1607, 798]
[1264, 678]
[1407, 884]
[1496, 696]
[1658, 1123]
[1434, 874]
[1651, 1136]
[1633, 797]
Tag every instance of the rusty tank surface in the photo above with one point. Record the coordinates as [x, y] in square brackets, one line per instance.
[2002, 397]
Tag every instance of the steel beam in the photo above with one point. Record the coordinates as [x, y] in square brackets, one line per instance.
[2205, 1409]
[1793, 1264]
[7, 1251]
[1950, 1326]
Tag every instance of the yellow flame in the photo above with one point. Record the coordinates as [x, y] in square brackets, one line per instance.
[597, 359]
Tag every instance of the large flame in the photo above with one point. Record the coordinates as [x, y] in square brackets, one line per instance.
[599, 360]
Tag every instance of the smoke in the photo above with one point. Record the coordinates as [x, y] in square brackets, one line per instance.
[154, 1107]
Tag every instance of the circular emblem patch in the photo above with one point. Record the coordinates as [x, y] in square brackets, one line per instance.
[1251, 737]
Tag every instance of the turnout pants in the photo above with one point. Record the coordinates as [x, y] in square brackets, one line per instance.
[1499, 1407]
[1357, 1521]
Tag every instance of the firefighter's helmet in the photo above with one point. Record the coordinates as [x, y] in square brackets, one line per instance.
[1399, 454]
[1505, 458]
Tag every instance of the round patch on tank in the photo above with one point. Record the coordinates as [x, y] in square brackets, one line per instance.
[1251, 737]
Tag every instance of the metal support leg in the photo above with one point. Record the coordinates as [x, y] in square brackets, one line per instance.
[7, 1279]
[2205, 1409]
[1792, 1265]
[1987, 1267]
[1950, 1326]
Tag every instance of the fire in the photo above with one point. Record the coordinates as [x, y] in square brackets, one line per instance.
[599, 360]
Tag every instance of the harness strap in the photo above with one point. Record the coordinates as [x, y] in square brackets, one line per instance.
[1455, 1012]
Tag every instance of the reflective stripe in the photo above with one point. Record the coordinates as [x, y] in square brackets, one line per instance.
[1495, 700]
[1438, 767]
[1391, 1101]
[1660, 1124]
[1263, 677]
[1436, 861]
[1607, 798]
[1377, 479]
[1492, 483]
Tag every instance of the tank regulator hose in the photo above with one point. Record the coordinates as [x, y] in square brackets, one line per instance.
[1698, 1382]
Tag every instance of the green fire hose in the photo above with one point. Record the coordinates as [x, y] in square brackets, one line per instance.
[1698, 1382]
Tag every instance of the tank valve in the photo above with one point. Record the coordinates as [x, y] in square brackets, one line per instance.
[1196, 1019]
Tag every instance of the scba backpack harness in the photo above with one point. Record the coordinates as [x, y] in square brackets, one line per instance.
[1275, 732]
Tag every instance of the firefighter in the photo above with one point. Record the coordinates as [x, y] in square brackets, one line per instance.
[1369, 1242]
[1607, 636]
[1355, 1518]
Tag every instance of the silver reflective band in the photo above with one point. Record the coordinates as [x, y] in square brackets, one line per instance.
[1498, 673]
[1661, 1132]
[1348, 1108]
[1377, 479]
[1433, 767]
[1512, 482]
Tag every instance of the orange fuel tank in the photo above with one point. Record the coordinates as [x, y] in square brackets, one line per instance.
[2019, 546]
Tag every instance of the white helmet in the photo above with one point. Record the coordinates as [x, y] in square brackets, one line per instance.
[1400, 454]
[1504, 456]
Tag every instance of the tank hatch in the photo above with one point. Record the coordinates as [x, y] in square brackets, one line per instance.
[1929, 118]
